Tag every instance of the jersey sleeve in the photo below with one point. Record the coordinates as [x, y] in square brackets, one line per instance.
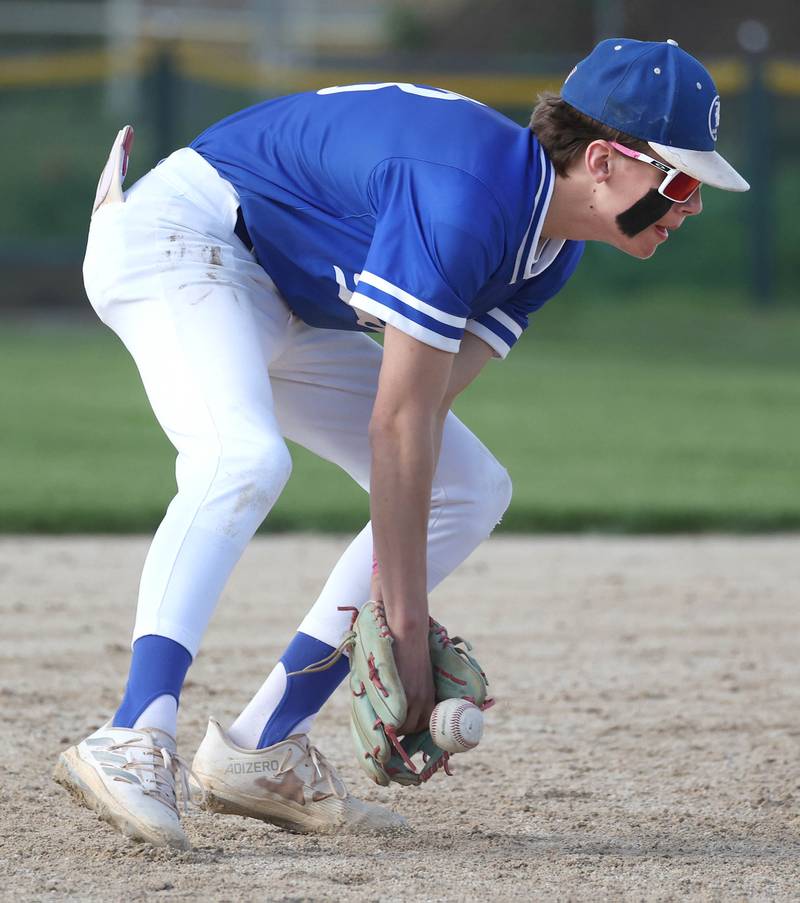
[438, 238]
[503, 325]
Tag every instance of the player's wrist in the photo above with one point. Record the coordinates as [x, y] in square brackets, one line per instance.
[408, 623]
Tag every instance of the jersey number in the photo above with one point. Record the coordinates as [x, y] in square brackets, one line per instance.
[436, 93]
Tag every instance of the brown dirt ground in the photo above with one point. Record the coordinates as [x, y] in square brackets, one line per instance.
[644, 745]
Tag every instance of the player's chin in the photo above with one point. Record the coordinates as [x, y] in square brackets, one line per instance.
[640, 251]
[647, 253]
[644, 245]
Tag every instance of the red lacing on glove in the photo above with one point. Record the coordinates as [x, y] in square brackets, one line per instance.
[441, 633]
[441, 763]
[449, 676]
[380, 619]
[391, 733]
[363, 690]
[374, 676]
[487, 704]
[444, 641]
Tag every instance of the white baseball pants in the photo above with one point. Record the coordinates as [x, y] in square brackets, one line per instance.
[230, 372]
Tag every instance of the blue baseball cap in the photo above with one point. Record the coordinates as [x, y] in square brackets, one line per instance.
[654, 91]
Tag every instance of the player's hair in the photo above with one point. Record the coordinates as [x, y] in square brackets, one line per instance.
[565, 132]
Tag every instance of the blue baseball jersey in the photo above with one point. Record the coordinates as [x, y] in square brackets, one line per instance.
[399, 204]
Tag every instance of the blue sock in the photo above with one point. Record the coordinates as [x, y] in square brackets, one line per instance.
[305, 693]
[158, 668]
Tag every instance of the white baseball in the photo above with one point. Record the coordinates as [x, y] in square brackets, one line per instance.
[456, 725]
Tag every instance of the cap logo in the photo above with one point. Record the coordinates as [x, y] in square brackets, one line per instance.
[713, 117]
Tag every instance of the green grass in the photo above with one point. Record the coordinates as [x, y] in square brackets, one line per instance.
[670, 414]
[660, 416]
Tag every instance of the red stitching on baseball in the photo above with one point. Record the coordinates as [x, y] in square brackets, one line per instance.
[434, 720]
[457, 713]
[455, 726]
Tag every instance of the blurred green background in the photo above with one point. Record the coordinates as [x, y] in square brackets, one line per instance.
[650, 396]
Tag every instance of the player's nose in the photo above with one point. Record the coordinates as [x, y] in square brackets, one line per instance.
[694, 205]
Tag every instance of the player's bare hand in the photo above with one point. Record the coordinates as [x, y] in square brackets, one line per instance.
[413, 660]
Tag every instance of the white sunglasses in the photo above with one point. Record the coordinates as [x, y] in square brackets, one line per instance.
[676, 186]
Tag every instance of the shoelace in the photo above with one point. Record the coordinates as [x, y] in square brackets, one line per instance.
[330, 660]
[172, 770]
[325, 771]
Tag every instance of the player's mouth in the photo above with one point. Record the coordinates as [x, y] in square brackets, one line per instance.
[662, 231]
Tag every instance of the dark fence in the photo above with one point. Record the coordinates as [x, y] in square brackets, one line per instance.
[60, 112]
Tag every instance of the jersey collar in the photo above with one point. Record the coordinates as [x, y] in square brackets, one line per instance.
[531, 259]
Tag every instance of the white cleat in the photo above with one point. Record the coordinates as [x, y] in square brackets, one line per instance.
[290, 784]
[128, 778]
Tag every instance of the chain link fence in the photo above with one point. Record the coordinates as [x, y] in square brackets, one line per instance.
[62, 107]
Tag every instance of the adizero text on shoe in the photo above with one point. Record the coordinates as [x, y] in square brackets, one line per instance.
[128, 778]
[290, 784]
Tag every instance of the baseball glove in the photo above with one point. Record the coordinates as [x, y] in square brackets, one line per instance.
[379, 700]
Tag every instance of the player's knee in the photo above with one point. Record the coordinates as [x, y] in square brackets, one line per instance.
[504, 490]
[498, 493]
[236, 488]
[261, 472]
[485, 496]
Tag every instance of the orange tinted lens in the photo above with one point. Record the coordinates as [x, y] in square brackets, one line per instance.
[681, 188]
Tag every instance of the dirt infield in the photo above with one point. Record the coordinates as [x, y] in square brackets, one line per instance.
[644, 745]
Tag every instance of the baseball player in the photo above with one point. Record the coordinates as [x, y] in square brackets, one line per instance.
[244, 274]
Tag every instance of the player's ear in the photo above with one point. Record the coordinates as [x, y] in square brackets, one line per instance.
[597, 159]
